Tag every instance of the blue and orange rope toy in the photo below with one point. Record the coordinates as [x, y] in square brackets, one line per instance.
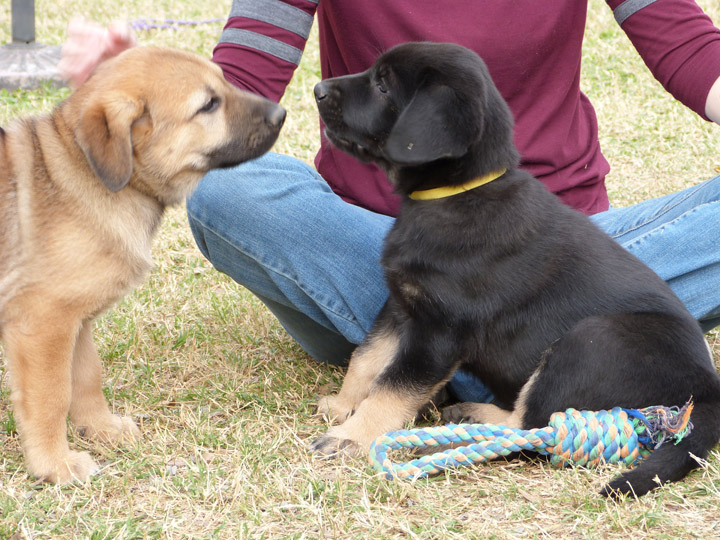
[579, 438]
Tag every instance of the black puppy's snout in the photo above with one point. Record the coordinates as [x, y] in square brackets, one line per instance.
[276, 116]
[321, 91]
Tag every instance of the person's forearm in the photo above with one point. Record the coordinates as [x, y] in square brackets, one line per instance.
[262, 43]
[678, 42]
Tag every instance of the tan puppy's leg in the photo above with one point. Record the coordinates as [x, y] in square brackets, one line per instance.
[39, 346]
[366, 363]
[89, 411]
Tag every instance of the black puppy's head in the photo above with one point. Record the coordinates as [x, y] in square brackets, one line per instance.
[427, 113]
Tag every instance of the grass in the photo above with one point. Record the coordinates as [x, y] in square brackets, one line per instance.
[225, 397]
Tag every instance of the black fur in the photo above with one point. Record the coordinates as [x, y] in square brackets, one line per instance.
[496, 278]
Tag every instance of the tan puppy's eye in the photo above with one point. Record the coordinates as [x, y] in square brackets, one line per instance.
[212, 105]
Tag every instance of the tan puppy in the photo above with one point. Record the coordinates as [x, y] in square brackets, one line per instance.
[82, 191]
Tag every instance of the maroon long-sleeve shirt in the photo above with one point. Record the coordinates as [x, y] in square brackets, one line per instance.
[532, 49]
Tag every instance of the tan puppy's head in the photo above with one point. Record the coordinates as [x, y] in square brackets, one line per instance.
[159, 119]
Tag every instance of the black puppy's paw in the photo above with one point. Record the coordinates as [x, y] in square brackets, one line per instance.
[632, 484]
[329, 446]
[334, 410]
[461, 413]
[618, 490]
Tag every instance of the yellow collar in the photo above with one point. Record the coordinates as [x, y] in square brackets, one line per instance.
[447, 191]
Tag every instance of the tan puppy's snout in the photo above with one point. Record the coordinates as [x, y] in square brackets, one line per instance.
[275, 115]
[246, 107]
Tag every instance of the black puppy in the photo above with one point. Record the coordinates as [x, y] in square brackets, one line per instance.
[489, 271]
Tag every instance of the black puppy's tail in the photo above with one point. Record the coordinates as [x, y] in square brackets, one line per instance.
[671, 462]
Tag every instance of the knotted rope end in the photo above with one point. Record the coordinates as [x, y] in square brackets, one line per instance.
[664, 423]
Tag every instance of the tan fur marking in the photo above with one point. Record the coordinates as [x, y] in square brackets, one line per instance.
[521, 401]
[366, 363]
[486, 413]
[382, 411]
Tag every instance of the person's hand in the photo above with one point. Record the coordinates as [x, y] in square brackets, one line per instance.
[712, 105]
[88, 44]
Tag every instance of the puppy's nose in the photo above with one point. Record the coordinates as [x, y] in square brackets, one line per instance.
[320, 91]
[276, 117]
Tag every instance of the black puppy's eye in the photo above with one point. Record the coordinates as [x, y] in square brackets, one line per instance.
[212, 104]
[381, 86]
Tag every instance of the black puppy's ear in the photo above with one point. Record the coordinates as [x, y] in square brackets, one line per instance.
[433, 126]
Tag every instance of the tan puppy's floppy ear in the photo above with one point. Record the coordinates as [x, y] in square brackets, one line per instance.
[104, 135]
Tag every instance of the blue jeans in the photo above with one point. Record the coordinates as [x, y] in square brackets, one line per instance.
[275, 227]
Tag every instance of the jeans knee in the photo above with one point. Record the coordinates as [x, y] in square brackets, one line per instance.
[196, 226]
[200, 205]
[219, 203]
[202, 200]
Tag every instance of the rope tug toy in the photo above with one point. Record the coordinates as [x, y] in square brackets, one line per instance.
[572, 437]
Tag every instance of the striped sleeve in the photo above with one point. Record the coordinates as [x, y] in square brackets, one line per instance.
[263, 42]
[677, 41]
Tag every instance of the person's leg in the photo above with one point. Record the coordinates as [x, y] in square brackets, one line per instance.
[275, 227]
[677, 236]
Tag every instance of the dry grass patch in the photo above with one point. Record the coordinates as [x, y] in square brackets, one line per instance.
[225, 397]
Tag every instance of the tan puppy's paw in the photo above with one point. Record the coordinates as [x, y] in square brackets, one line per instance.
[111, 429]
[71, 467]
